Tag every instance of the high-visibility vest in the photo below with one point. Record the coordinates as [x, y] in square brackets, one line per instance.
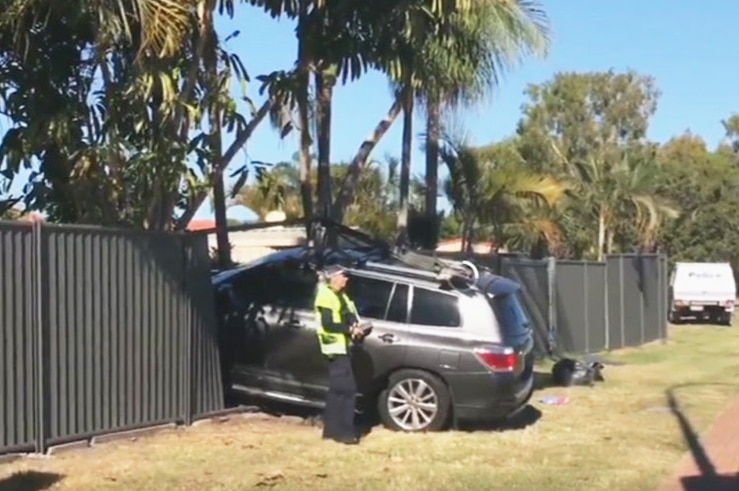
[332, 343]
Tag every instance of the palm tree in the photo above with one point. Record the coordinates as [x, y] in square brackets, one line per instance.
[277, 188]
[373, 209]
[615, 189]
[489, 41]
[454, 60]
[339, 39]
[496, 195]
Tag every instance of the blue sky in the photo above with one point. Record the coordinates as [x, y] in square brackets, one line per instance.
[686, 47]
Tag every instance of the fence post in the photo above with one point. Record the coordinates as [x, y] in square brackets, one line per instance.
[40, 263]
[621, 297]
[186, 315]
[642, 298]
[552, 307]
[586, 306]
[664, 294]
[606, 306]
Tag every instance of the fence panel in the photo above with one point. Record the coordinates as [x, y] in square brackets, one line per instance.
[113, 332]
[651, 275]
[664, 306]
[616, 307]
[18, 315]
[206, 379]
[533, 276]
[572, 335]
[595, 304]
[633, 300]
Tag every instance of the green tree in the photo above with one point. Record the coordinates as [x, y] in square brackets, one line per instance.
[99, 163]
[590, 128]
[373, 209]
[494, 196]
[706, 184]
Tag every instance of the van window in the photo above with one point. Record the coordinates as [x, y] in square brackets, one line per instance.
[430, 308]
[511, 315]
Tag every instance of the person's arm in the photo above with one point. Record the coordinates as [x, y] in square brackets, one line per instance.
[327, 320]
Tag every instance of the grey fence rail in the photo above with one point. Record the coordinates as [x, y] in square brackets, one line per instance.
[102, 331]
[589, 306]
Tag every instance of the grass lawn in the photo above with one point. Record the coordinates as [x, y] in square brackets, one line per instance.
[617, 436]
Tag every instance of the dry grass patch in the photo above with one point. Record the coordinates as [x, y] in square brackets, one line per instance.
[617, 436]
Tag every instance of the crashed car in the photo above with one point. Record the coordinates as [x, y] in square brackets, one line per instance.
[443, 348]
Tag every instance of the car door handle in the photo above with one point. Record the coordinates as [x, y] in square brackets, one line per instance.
[387, 338]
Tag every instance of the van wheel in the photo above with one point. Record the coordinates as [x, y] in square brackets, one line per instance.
[414, 401]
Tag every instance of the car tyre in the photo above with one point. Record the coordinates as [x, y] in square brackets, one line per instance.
[414, 401]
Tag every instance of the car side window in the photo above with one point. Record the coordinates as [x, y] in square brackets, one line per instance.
[398, 310]
[370, 295]
[430, 308]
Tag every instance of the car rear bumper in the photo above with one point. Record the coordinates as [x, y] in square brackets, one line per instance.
[482, 397]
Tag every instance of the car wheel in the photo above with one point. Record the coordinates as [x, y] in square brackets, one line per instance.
[414, 401]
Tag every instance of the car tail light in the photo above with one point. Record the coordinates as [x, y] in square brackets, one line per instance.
[498, 360]
[729, 304]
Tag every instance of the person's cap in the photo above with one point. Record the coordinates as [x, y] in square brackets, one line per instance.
[333, 270]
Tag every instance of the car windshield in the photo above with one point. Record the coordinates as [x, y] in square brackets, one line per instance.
[510, 314]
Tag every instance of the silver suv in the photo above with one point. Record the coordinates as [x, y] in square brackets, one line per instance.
[441, 349]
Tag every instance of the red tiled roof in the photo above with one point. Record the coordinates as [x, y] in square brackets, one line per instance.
[202, 224]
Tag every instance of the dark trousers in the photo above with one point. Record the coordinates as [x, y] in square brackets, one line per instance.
[338, 417]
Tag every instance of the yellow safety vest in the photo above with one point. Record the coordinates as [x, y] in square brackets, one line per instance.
[332, 343]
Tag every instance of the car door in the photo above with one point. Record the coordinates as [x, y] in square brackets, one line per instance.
[301, 356]
[433, 327]
[246, 313]
[385, 304]
[291, 345]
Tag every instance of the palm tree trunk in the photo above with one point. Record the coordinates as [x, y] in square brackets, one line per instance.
[325, 80]
[306, 189]
[210, 59]
[433, 135]
[601, 232]
[349, 182]
[303, 79]
[405, 163]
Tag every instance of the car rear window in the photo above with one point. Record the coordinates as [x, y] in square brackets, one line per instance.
[511, 315]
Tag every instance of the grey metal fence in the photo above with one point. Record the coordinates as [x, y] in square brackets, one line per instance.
[102, 331]
[589, 306]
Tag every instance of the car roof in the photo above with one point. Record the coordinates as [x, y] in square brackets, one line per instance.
[394, 270]
[295, 254]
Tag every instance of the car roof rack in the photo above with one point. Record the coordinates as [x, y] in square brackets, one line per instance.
[328, 240]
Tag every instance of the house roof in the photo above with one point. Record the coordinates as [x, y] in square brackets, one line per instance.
[201, 224]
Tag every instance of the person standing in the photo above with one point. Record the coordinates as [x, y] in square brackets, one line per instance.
[337, 325]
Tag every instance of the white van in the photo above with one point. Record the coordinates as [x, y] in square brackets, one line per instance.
[702, 291]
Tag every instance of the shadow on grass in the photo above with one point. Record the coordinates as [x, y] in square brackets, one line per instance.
[29, 481]
[708, 479]
[528, 416]
[543, 380]
[369, 419]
